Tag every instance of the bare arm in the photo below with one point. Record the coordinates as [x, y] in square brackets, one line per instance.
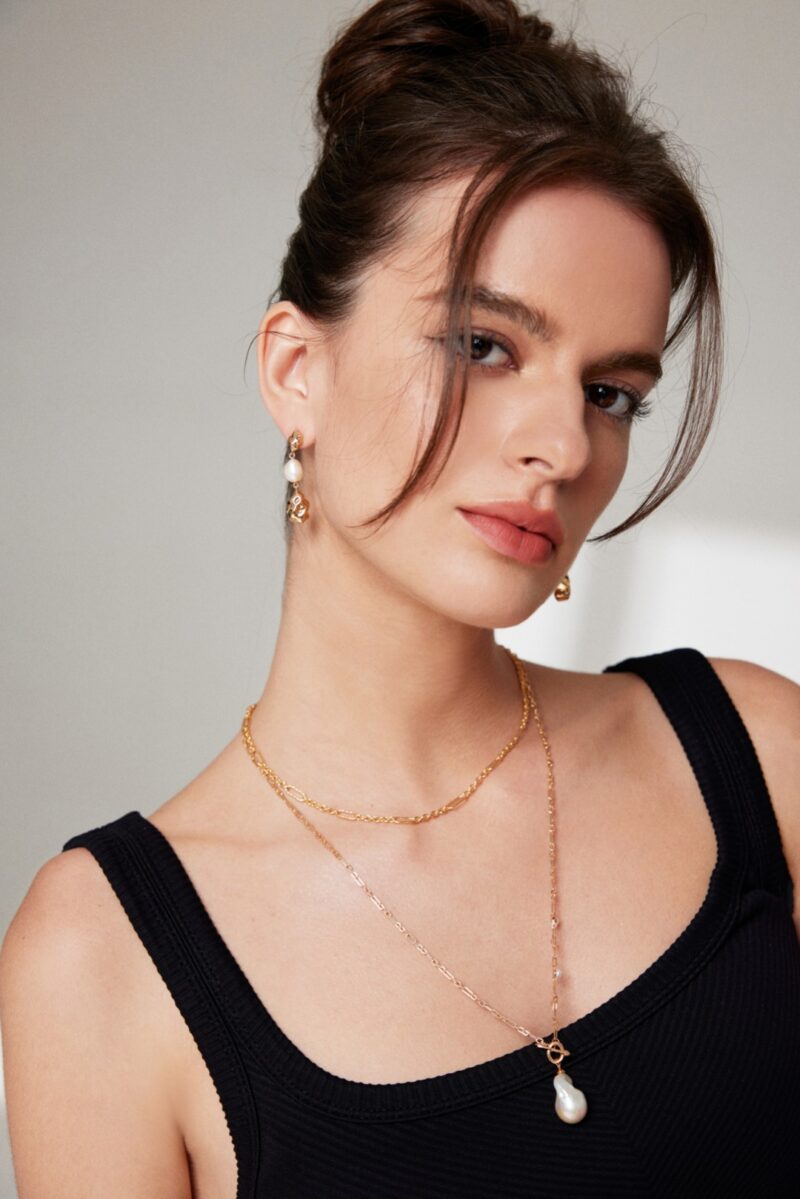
[90, 1105]
[769, 705]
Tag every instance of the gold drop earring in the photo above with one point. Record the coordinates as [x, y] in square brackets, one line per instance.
[564, 590]
[297, 504]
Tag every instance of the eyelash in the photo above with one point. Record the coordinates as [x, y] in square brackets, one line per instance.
[639, 408]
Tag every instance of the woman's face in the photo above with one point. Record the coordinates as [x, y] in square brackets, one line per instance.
[544, 418]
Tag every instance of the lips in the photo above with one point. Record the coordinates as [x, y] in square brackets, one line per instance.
[523, 516]
[530, 546]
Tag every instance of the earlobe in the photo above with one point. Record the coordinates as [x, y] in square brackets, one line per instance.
[282, 368]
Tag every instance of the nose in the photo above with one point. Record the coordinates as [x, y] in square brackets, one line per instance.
[550, 433]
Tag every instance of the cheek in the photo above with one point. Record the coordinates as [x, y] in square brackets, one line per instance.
[366, 445]
[606, 469]
[612, 455]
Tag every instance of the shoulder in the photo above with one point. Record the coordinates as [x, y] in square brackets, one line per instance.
[59, 920]
[71, 940]
[70, 951]
[769, 705]
[765, 692]
[71, 962]
[88, 1065]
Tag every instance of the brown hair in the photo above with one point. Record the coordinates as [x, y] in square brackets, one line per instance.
[415, 91]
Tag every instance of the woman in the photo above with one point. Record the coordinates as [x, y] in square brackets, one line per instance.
[601, 864]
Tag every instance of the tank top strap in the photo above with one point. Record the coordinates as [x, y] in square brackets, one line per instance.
[162, 905]
[723, 757]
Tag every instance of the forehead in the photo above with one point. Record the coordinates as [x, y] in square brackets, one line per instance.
[572, 248]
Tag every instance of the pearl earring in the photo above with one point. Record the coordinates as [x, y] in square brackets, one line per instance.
[297, 504]
[564, 590]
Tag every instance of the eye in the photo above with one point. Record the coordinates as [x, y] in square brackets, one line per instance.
[621, 403]
[487, 350]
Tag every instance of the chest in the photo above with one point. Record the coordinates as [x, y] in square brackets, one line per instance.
[635, 850]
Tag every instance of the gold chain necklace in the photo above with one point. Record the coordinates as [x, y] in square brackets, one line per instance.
[570, 1103]
[280, 785]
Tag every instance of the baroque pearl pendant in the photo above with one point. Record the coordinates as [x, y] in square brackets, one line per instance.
[571, 1103]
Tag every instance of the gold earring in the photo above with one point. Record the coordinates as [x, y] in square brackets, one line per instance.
[564, 590]
[297, 504]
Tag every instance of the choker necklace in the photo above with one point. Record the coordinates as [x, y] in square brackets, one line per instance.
[281, 786]
[570, 1102]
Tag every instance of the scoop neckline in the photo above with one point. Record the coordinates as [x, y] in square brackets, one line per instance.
[653, 987]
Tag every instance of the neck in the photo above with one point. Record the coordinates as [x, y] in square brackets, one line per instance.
[373, 701]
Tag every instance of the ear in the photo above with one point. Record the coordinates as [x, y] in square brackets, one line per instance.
[283, 361]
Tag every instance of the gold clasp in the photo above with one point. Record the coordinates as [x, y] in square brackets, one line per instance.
[556, 1052]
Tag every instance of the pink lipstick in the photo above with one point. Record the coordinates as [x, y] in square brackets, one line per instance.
[517, 530]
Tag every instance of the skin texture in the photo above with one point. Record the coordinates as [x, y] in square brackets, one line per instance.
[387, 692]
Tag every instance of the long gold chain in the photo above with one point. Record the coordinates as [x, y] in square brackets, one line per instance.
[281, 786]
[554, 1048]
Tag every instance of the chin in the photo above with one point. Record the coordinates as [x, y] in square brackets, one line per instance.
[487, 602]
[505, 613]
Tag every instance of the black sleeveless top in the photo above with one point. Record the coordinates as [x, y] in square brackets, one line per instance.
[691, 1072]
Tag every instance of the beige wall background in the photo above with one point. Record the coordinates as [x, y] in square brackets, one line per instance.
[152, 158]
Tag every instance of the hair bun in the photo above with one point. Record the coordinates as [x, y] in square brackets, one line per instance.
[396, 40]
[537, 28]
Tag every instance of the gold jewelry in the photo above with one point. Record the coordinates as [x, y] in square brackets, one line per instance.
[297, 504]
[570, 1104]
[279, 784]
[564, 589]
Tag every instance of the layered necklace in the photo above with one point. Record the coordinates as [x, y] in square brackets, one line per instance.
[570, 1102]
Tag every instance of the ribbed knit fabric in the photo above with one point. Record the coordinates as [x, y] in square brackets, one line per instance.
[692, 1071]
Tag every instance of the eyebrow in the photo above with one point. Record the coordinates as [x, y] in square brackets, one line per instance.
[531, 318]
[632, 360]
[536, 322]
